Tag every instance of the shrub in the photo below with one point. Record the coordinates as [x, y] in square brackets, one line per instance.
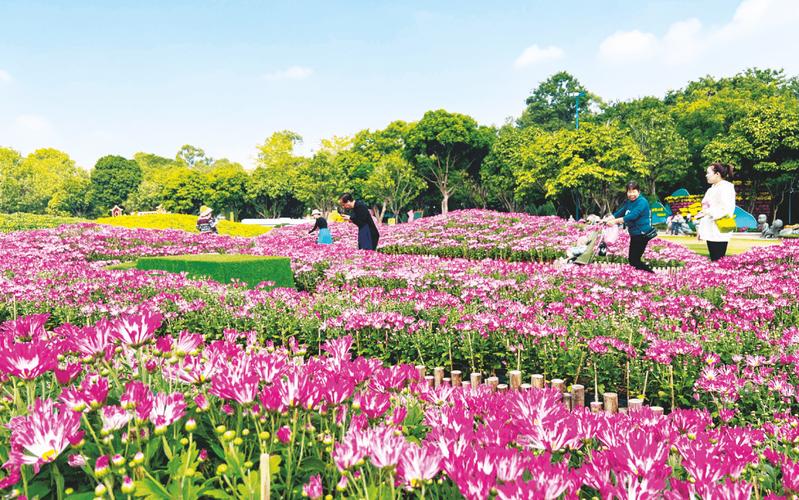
[26, 222]
[182, 222]
[250, 269]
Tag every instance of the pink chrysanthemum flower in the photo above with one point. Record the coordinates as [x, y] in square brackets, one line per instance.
[39, 437]
[167, 408]
[136, 329]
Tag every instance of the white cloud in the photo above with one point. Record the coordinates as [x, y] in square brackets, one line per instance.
[292, 73]
[628, 46]
[535, 54]
[5, 77]
[32, 123]
[758, 27]
[683, 42]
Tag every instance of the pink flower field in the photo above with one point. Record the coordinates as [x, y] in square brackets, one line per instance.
[459, 362]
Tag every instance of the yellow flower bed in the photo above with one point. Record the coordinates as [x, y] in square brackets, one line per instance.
[182, 222]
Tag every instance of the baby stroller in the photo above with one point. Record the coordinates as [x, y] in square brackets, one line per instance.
[595, 245]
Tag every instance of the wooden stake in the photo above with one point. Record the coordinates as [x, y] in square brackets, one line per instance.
[477, 379]
[526, 387]
[635, 405]
[502, 387]
[578, 396]
[559, 384]
[515, 379]
[438, 375]
[596, 406]
[567, 400]
[430, 380]
[611, 400]
[420, 369]
[657, 410]
[457, 378]
[537, 381]
[493, 382]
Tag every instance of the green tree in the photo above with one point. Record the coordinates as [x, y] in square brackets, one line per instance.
[113, 179]
[707, 108]
[74, 197]
[272, 182]
[552, 104]
[156, 170]
[10, 180]
[509, 155]
[321, 181]
[393, 183]
[228, 182]
[764, 145]
[595, 160]
[28, 184]
[186, 191]
[651, 125]
[370, 147]
[194, 158]
[445, 147]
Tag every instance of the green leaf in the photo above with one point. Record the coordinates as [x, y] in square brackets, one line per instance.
[215, 493]
[38, 489]
[274, 464]
[150, 489]
[311, 465]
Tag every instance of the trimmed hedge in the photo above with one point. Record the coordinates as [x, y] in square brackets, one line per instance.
[250, 269]
[183, 222]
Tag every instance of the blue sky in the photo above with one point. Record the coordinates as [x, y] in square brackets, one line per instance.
[112, 77]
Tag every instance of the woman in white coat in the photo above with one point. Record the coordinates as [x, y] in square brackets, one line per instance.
[718, 203]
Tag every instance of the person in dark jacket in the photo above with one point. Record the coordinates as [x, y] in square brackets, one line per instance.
[634, 214]
[367, 230]
[325, 238]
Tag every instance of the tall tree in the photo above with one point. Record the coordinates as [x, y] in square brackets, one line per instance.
[764, 145]
[595, 160]
[272, 182]
[11, 183]
[321, 181]
[651, 125]
[30, 183]
[113, 179]
[508, 155]
[194, 158]
[228, 182]
[553, 104]
[393, 184]
[186, 191]
[706, 108]
[445, 147]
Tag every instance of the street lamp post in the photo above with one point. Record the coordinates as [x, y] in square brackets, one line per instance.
[577, 96]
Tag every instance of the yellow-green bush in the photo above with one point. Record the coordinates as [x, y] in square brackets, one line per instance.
[26, 222]
[182, 222]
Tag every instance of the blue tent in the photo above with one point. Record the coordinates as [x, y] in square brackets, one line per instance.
[744, 219]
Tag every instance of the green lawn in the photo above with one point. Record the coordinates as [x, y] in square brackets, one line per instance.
[736, 246]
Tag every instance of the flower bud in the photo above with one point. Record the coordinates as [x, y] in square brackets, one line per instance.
[128, 486]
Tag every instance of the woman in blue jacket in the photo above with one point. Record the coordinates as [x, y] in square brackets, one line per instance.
[634, 213]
